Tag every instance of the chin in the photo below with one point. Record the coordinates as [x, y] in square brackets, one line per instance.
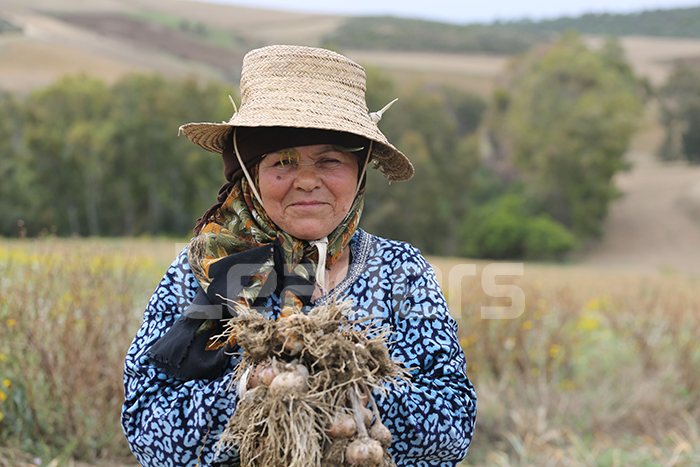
[309, 234]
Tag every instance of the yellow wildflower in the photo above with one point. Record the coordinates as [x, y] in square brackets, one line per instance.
[587, 323]
[527, 325]
[11, 322]
[3, 358]
[554, 350]
[3, 396]
[567, 385]
[469, 340]
[7, 383]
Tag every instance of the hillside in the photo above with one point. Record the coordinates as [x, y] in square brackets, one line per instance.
[388, 33]
[44, 40]
[654, 226]
[650, 226]
[678, 22]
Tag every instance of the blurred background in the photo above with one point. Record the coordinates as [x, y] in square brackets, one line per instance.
[563, 136]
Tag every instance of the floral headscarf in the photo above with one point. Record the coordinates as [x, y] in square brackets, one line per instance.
[241, 224]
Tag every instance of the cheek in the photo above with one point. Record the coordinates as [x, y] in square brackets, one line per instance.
[345, 192]
[271, 189]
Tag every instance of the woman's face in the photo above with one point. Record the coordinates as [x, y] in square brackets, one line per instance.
[308, 190]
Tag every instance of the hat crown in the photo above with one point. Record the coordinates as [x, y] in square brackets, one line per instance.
[304, 87]
[299, 75]
[294, 86]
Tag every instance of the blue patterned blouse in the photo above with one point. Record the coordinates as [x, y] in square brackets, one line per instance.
[171, 422]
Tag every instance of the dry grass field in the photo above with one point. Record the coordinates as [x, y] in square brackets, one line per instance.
[97, 48]
[653, 57]
[598, 368]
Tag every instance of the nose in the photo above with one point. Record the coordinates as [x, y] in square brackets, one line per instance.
[306, 177]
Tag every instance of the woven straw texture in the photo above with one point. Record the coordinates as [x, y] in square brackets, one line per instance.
[303, 87]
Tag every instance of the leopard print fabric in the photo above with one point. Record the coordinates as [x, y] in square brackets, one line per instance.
[171, 422]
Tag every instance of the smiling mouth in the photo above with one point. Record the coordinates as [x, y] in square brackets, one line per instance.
[308, 203]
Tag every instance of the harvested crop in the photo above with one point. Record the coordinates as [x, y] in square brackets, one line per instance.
[314, 377]
[343, 426]
[364, 452]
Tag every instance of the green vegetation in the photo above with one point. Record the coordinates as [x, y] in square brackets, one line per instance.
[679, 22]
[388, 33]
[505, 228]
[512, 37]
[84, 158]
[559, 132]
[679, 102]
[436, 128]
[563, 124]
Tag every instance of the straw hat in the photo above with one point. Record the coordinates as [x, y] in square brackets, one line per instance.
[304, 87]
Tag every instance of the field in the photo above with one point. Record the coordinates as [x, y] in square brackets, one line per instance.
[599, 369]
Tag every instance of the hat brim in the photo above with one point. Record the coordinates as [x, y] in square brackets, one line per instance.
[393, 164]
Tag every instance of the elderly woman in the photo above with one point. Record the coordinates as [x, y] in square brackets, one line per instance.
[284, 237]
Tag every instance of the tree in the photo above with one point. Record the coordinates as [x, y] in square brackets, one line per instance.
[435, 128]
[17, 199]
[82, 157]
[505, 229]
[564, 123]
[64, 136]
[679, 101]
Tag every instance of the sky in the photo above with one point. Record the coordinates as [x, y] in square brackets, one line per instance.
[466, 11]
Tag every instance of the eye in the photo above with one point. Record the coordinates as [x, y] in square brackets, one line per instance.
[329, 162]
[283, 159]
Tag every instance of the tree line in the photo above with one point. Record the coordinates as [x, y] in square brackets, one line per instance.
[677, 22]
[390, 33]
[508, 37]
[85, 158]
[527, 173]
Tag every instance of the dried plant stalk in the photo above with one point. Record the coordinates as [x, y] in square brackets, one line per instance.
[318, 359]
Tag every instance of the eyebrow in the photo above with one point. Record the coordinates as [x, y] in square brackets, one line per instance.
[327, 148]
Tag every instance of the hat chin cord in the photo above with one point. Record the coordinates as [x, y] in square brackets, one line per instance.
[322, 243]
[245, 170]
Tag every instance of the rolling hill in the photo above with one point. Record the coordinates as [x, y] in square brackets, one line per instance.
[41, 40]
[651, 226]
[677, 22]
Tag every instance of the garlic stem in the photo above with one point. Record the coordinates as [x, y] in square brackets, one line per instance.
[354, 400]
[375, 409]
